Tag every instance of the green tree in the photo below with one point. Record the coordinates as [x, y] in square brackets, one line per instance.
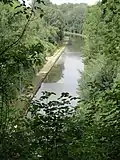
[99, 86]
[74, 16]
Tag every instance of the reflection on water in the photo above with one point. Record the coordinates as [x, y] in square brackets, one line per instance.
[65, 74]
[77, 45]
[58, 68]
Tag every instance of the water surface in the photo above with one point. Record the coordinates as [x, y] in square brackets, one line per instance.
[65, 74]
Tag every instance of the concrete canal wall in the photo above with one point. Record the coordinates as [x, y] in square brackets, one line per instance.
[41, 75]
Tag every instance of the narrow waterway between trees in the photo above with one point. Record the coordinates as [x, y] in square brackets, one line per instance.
[65, 74]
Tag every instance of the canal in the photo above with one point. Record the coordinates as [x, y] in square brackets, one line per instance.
[65, 74]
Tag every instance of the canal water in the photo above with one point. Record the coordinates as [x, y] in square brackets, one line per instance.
[66, 73]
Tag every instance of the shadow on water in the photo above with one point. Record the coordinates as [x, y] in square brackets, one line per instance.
[65, 74]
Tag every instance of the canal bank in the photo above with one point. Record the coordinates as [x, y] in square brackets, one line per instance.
[41, 75]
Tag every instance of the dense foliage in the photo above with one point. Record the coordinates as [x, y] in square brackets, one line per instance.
[43, 133]
[100, 84]
[28, 34]
[26, 39]
[73, 16]
[52, 129]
